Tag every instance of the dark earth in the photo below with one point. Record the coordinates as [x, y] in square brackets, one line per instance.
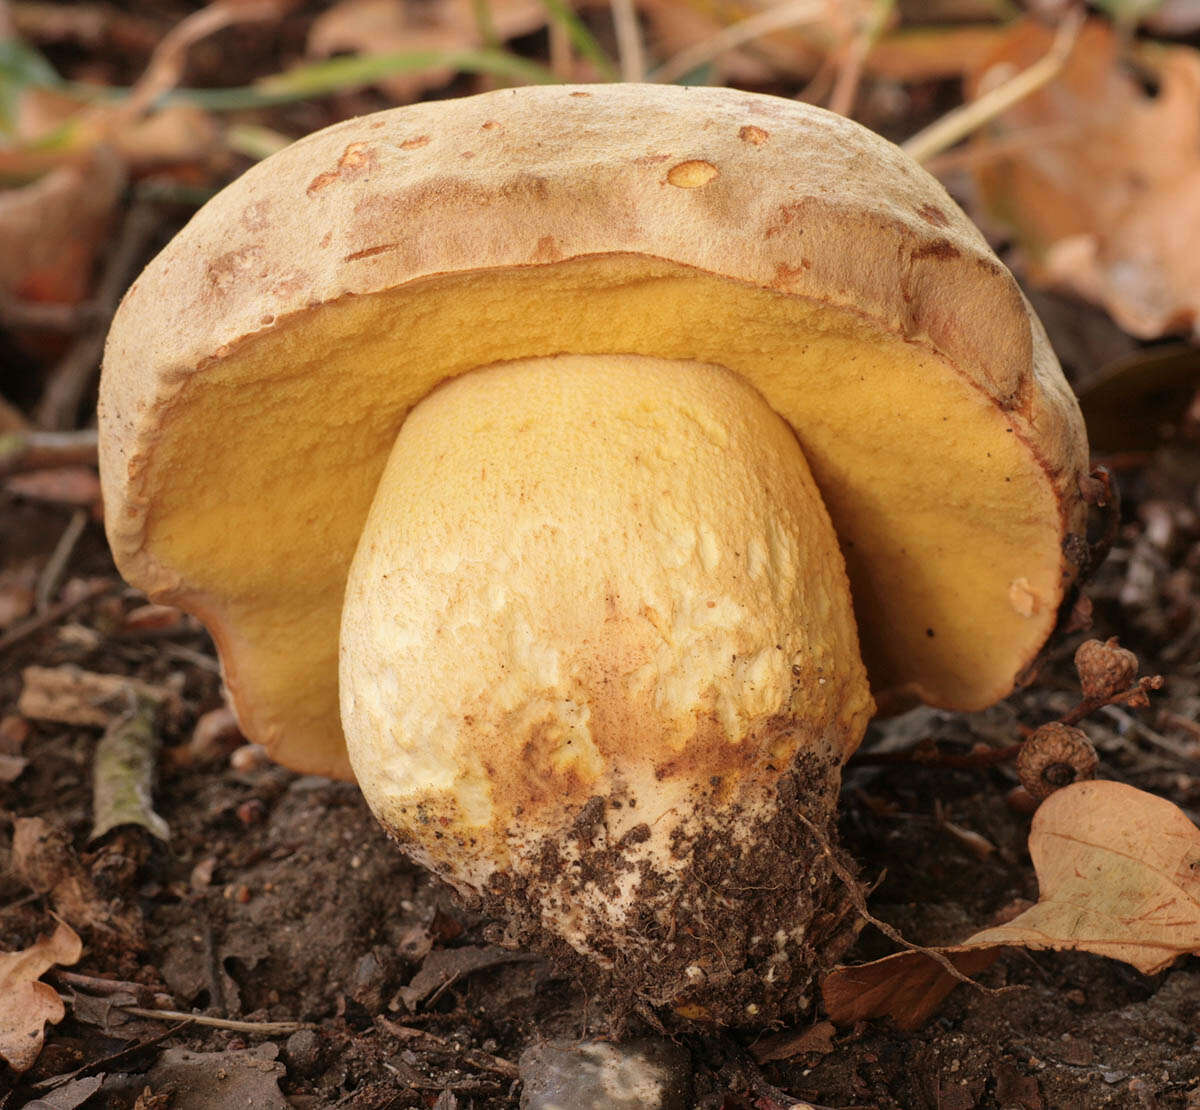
[277, 899]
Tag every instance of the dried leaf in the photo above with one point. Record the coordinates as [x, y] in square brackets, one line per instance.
[26, 1004]
[123, 773]
[53, 228]
[445, 965]
[43, 859]
[69, 1095]
[72, 696]
[1099, 179]
[1137, 402]
[815, 1040]
[384, 27]
[908, 987]
[231, 1080]
[1119, 873]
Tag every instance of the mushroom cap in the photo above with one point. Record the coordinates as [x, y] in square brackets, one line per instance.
[258, 371]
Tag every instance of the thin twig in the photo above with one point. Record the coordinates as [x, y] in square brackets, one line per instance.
[478, 1057]
[562, 57]
[850, 69]
[112, 1062]
[196, 658]
[267, 1028]
[67, 383]
[854, 890]
[28, 627]
[956, 125]
[984, 152]
[738, 34]
[98, 985]
[56, 566]
[165, 68]
[43, 316]
[928, 754]
[34, 450]
[630, 53]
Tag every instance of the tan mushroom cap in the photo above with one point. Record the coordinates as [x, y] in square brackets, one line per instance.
[259, 370]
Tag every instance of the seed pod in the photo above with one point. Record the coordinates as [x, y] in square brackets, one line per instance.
[1105, 669]
[1055, 756]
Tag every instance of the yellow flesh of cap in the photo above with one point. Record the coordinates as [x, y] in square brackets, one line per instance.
[268, 460]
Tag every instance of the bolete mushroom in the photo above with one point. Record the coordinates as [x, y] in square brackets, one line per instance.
[522, 393]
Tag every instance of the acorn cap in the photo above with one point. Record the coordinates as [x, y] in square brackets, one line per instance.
[259, 370]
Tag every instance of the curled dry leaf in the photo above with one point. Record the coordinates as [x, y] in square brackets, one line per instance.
[70, 695]
[123, 772]
[1099, 179]
[44, 860]
[53, 227]
[1119, 872]
[27, 1004]
[384, 27]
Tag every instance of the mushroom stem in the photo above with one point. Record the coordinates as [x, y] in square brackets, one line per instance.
[596, 623]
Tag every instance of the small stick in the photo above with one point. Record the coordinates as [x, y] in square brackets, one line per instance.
[44, 316]
[475, 1056]
[267, 1028]
[956, 125]
[96, 984]
[738, 34]
[56, 566]
[1136, 697]
[849, 73]
[165, 68]
[28, 627]
[33, 450]
[630, 54]
[67, 383]
[562, 57]
[928, 754]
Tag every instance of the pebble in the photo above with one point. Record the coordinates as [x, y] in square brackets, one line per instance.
[302, 1052]
[650, 1074]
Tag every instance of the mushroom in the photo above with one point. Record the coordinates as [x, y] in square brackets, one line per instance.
[605, 423]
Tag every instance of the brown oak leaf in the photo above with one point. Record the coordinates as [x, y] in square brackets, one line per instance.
[27, 1004]
[1119, 874]
[1098, 178]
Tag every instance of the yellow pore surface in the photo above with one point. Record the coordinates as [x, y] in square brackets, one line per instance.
[591, 575]
[267, 462]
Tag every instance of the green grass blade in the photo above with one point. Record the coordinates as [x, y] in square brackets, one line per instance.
[581, 38]
[341, 75]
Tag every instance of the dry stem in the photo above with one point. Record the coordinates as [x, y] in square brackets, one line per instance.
[956, 125]
[738, 34]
